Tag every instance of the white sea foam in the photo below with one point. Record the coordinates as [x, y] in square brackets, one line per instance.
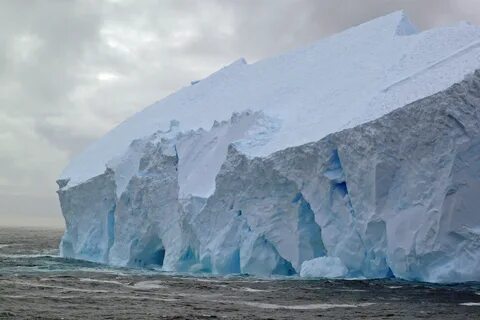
[322, 306]
[149, 285]
[471, 304]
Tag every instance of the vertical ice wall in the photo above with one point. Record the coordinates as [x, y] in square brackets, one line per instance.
[395, 196]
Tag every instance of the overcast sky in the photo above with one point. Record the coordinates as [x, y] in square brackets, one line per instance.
[71, 70]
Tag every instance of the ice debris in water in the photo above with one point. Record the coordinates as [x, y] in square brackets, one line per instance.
[324, 267]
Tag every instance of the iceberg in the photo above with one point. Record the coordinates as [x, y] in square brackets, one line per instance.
[357, 156]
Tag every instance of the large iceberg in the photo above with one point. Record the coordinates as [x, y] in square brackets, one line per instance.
[358, 156]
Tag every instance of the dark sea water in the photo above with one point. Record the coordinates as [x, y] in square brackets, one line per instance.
[37, 284]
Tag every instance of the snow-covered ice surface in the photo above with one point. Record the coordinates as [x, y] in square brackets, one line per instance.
[357, 149]
[339, 82]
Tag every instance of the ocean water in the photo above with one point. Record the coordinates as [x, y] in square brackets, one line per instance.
[35, 283]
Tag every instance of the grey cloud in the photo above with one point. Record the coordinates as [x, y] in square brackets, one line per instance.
[62, 31]
[62, 137]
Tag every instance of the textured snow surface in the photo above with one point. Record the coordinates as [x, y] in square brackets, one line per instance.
[339, 82]
[355, 157]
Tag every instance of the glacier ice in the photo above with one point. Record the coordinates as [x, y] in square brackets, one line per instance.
[358, 156]
[324, 267]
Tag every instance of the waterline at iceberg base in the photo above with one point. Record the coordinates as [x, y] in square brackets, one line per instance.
[392, 193]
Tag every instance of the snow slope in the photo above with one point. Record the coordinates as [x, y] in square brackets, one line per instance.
[353, 157]
[339, 82]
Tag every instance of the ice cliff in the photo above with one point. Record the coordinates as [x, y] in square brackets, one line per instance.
[358, 156]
